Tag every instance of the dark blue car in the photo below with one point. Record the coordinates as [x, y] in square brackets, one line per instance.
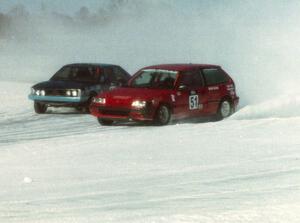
[74, 85]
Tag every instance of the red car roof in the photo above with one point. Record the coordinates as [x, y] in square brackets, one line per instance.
[180, 67]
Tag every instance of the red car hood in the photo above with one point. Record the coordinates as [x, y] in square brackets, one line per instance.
[123, 97]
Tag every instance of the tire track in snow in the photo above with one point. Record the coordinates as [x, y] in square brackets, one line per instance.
[33, 127]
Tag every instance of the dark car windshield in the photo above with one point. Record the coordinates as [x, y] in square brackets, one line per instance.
[154, 78]
[77, 73]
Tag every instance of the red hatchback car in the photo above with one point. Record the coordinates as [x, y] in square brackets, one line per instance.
[161, 92]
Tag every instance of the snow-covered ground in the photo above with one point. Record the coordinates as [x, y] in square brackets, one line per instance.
[64, 167]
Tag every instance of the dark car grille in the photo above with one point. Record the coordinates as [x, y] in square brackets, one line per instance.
[56, 92]
[116, 112]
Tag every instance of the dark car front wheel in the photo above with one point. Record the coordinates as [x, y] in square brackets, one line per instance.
[163, 115]
[105, 121]
[39, 108]
[84, 109]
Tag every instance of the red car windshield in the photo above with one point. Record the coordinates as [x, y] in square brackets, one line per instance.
[154, 78]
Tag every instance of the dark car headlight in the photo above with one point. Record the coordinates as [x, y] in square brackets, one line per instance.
[42, 93]
[38, 92]
[73, 93]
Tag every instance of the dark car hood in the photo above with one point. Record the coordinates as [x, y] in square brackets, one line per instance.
[61, 85]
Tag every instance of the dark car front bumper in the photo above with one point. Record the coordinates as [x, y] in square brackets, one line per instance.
[60, 100]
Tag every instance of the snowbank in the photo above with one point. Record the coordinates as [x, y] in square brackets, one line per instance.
[286, 106]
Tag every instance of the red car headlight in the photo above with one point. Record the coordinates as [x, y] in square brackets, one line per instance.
[138, 104]
[101, 101]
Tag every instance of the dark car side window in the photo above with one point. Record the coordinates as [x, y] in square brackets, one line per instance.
[108, 75]
[85, 74]
[120, 75]
[214, 76]
[114, 75]
[191, 79]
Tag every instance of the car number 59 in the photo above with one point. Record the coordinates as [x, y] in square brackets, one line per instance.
[193, 102]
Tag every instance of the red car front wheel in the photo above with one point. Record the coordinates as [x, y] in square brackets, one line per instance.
[105, 121]
[163, 115]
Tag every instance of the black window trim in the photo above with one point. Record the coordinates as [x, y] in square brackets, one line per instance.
[218, 68]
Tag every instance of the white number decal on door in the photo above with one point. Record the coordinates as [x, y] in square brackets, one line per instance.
[193, 102]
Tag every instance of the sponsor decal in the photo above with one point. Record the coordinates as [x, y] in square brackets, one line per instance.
[214, 88]
[160, 71]
[173, 98]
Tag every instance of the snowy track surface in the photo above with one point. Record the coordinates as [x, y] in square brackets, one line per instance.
[64, 167]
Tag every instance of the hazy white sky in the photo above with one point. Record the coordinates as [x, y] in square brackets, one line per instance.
[57, 5]
[70, 6]
[249, 38]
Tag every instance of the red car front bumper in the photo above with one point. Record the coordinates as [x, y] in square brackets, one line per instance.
[121, 113]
